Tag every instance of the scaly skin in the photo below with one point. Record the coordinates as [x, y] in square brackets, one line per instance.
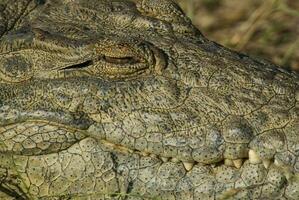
[119, 99]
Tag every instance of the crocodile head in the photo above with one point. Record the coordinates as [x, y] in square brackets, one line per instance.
[127, 100]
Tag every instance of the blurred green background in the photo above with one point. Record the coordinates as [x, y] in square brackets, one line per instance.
[263, 28]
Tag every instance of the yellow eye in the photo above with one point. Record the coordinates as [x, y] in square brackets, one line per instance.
[116, 61]
[105, 59]
[120, 60]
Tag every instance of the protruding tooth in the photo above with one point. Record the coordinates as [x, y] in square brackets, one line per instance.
[253, 157]
[188, 165]
[228, 162]
[278, 163]
[128, 150]
[153, 155]
[266, 163]
[164, 159]
[144, 153]
[175, 160]
[238, 163]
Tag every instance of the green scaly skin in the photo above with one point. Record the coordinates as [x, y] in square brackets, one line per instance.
[127, 100]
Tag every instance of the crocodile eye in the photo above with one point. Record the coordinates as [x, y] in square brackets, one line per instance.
[121, 60]
[109, 67]
[112, 61]
[120, 68]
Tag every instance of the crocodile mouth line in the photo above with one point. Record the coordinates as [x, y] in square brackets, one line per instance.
[253, 158]
[32, 145]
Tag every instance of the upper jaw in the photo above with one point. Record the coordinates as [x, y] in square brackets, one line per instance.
[212, 154]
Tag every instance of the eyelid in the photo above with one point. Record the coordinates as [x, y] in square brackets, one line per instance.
[121, 60]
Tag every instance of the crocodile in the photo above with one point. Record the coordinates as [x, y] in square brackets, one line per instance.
[127, 100]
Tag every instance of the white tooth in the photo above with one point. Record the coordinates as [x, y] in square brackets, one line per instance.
[266, 163]
[278, 163]
[144, 153]
[128, 150]
[228, 162]
[164, 159]
[188, 165]
[175, 160]
[238, 163]
[153, 155]
[253, 157]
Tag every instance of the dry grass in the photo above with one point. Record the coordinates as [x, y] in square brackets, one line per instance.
[267, 29]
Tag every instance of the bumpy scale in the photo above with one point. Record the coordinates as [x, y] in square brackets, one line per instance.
[125, 99]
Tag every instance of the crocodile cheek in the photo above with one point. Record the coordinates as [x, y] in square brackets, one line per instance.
[127, 101]
[91, 169]
[83, 169]
[156, 137]
[237, 134]
[15, 68]
[36, 138]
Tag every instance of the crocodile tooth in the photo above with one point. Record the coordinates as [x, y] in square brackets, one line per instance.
[278, 163]
[228, 162]
[266, 163]
[253, 157]
[144, 153]
[153, 155]
[175, 160]
[238, 163]
[164, 159]
[188, 165]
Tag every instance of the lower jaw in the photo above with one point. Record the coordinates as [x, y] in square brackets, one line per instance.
[94, 168]
[116, 170]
